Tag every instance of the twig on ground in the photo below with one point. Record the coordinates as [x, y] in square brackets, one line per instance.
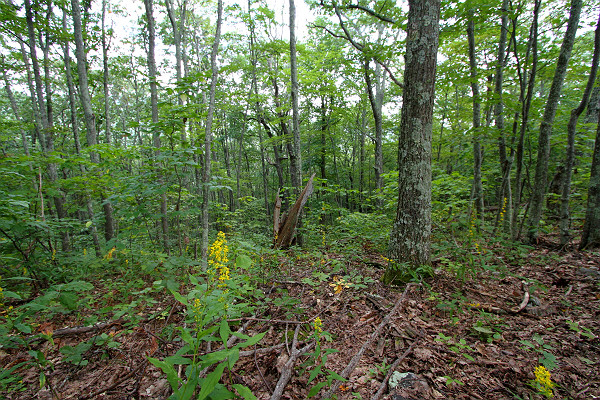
[288, 368]
[354, 362]
[383, 384]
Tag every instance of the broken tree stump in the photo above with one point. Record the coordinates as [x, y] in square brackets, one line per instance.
[285, 228]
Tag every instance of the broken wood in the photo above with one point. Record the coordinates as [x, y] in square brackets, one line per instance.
[285, 228]
[356, 359]
[288, 367]
[525, 298]
[383, 384]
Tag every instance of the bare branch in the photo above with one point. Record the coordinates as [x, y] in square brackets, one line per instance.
[371, 13]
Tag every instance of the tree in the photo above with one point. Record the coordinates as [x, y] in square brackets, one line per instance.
[206, 177]
[565, 220]
[541, 168]
[410, 238]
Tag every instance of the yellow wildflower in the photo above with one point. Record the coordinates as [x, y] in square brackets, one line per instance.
[543, 382]
[318, 324]
[339, 284]
[109, 255]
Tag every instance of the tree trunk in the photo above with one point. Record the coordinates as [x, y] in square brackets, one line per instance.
[504, 199]
[590, 237]
[295, 155]
[518, 192]
[376, 100]
[154, 106]
[208, 135]
[410, 244]
[477, 184]
[86, 104]
[541, 168]
[105, 81]
[565, 218]
[75, 128]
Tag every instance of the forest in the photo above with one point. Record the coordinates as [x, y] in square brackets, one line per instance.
[334, 199]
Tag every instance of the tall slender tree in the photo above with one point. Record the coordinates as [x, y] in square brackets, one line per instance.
[208, 134]
[541, 168]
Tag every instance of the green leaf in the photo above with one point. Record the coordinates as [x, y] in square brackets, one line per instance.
[316, 389]
[179, 297]
[244, 391]
[224, 331]
[243, 261]
[168, 369]
[252, 341]
[209, 383]
[335, 375]
[69, 300]
[315, 372]
[23, 328]
[12, 295]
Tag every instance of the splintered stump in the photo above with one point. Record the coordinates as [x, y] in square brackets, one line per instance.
[284, 228]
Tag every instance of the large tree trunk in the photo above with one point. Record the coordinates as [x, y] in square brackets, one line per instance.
[565, 218]
[410, 243]
[105, 81]
[208, 135]
[541, 168]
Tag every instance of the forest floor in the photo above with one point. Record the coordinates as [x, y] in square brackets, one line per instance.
[479, 337]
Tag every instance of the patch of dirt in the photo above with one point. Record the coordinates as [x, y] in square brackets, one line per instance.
[469, 339]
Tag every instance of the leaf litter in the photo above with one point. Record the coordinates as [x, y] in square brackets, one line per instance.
[450, 339]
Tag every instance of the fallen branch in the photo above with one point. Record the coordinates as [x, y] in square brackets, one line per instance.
[355, 360]
[525, 298]
[383, 384]
[288, 368]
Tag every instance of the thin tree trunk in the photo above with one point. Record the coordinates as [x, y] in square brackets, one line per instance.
[86, 104]
[541, 169]
[75, 128]
[376, 100]
[590, 236]
[565, 218]
[518, 192]
[105, 46]
[477, 184]
[295, 155]
[154, 106]
[208, 135]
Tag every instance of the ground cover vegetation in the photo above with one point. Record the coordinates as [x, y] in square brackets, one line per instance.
[445, 244]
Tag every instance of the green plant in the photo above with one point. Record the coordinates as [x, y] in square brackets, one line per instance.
[547, 359]
[318, 359]
[543, 382]
[460, 347]
[209, 304]
[582, 330]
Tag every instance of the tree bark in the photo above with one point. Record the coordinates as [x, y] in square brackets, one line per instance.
[86, 104]
[295, 155]
[477, 184]
[164, 222]
[591, 228]
[518, 192]
[565, 218]
[541, 169]
[410, 244]
[208, 135]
